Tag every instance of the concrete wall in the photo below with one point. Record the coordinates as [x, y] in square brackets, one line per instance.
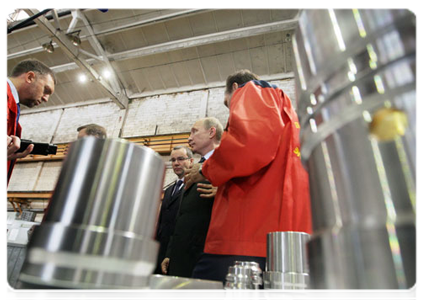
[163, 114]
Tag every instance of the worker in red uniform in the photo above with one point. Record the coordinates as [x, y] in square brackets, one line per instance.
[262, 185]
[30, 83]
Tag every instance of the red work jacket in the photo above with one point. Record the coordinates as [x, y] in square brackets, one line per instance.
[262, 185]
[13, 127]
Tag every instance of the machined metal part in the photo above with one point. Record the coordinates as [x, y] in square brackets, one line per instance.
[244, 275]
[286, 260]
[99, 226]
[356, 72]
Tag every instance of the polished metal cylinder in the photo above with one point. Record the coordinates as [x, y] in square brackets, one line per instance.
[286, 260]
[244, 275]
[356, 90]
[99, 226]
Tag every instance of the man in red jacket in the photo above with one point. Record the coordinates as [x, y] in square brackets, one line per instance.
[262, 186]
[30, 83]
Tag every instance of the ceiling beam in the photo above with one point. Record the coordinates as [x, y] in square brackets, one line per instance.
[207, 39]
[98, 48]
[137, 24]
[155, 20]
[73, 53]
[196, 41]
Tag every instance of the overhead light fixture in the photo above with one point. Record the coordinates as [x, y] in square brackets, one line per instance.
[82, 78]
[74, 37]
[107, 73]
[49, 47]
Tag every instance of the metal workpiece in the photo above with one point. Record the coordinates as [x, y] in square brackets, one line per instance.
[99, 227]
[161, 282]
[286, 251]
[286, 260]
[365, 258]
[356, 87]
[244, 275]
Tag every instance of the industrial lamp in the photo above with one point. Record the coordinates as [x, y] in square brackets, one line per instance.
[74, 37]
[49, 47]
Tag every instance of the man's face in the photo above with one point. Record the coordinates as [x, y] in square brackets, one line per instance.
[180, 161]
[38, 89]
[199, 138]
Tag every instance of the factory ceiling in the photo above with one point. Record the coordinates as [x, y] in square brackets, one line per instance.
[127, 54]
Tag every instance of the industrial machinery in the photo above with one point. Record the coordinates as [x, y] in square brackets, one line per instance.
[356, 92]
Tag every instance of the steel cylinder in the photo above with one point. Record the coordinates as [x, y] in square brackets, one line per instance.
[99, 226]
[286, 260]
[356, 93]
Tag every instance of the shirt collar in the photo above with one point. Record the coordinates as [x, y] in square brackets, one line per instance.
[208, 154]
[14, 90]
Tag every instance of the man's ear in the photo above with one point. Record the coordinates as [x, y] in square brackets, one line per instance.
[29, 76]
[212, 132]
[234, 86]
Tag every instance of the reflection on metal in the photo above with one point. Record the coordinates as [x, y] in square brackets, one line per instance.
[99, 226]
[300, 74]
[388, 124]
[161, 288]
[174, 288]
[359, 145]
[244, 275]
[359, 21]
[286, 260]
[356, 95]
[337, 30]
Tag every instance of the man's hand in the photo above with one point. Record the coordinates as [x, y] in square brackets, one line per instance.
[165, 265]
[206, 190]
[13, 145]
[192, 176]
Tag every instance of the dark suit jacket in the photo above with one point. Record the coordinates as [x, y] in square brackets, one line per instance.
[166, 222]
[187, 242]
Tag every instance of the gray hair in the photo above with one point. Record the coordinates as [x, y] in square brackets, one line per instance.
[210, 122]
[188, 150]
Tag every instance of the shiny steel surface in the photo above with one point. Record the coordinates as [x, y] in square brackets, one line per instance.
[161, 288]
[286, 260]
[175, 288]
[244, 275]
[99, 226]
[286, 251]
[357, 100]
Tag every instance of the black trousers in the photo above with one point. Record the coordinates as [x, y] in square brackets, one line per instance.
[215, 267]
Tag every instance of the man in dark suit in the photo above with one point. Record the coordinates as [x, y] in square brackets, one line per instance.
[181, 158]
[192, 221]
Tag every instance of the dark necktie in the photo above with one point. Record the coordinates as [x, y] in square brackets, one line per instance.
[177, 186]
[203, 159]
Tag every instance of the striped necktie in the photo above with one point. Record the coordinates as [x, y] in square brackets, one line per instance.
[177, 186]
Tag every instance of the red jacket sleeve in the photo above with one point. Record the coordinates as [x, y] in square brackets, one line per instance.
[253, 135]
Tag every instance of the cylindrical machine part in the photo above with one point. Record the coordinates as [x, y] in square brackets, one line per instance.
[286, 260]
[99, 226]
[244, 275]
[356, 97]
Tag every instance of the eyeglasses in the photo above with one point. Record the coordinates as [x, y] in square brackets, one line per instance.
[179, 159]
